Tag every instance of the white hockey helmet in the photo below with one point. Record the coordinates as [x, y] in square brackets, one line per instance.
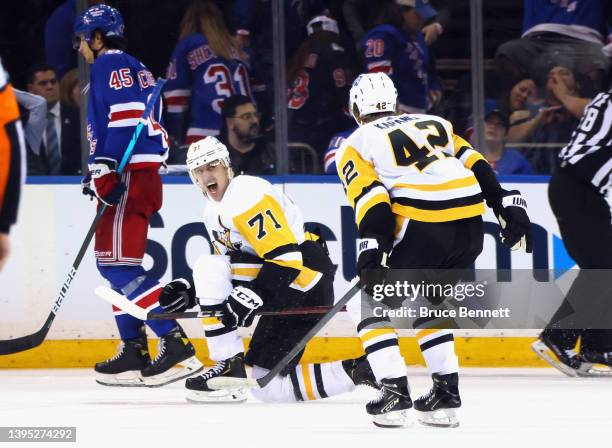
[205, 151]
[372, 93]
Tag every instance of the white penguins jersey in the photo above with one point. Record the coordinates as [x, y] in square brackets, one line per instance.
[255, 217]
[414, 163]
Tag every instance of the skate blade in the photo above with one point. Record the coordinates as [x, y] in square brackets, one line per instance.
[216, 397]
[441, 418]
[228, 382]
[593, 370]
[187, 368]
[545, 354]
[395, 419]
[131, 378]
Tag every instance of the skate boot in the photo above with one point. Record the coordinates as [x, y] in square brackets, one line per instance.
[561, 356]
[389, 410]
[199, 392]
[437, 407]
[172, 352]
[124, 368]
[360, 372]
[595, 364]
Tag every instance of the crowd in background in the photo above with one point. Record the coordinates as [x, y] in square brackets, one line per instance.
[217, 56]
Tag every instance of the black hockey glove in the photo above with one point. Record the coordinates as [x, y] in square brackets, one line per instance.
[511, 212]
[86, 187]
[177, 296]
[372, 254]
[239, 308]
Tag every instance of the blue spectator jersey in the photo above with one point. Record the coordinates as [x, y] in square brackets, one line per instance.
[329, 159]
[120, 86]
[405, 58]
[199, 81]
[582, 19]
[512, 162]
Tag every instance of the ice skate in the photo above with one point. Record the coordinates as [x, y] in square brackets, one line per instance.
[595, 364]
[360, 372]
[437, 408]
[199, 392]
[389, 409]
[565, 360]
[173, 352]
[124, 368]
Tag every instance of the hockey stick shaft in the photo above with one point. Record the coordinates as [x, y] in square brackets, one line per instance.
[125, 304]
[264, 380]
[33, 340]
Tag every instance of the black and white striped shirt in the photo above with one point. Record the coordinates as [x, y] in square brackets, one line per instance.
[590, 148]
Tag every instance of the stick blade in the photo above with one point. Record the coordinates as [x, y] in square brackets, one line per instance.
[121, 302]
[21, 344]
[227, 382]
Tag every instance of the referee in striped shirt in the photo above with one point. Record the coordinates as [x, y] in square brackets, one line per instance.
[579, 194]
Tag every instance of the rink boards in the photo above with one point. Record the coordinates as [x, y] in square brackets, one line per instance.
[54, 218]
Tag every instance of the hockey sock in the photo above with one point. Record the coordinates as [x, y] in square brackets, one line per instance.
[133, 282]
[223, 342]
[380, 343]
[438, 349]
[306, 382]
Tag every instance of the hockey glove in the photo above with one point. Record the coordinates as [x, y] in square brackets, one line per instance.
[239, 308]
[86, 187]
[372, 254]
[177, 296]
[511, 212]
[106, 183]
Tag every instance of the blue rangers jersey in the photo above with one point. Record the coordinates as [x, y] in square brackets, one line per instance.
[329, 160]
[581, 19]
[120, 86]
[405, 58]
[199, 81]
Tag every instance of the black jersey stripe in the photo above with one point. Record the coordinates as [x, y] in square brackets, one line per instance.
[437, 341]
[281, 250]
[380, 345]
[438, 205]
[367, 189]
[296, 386]
[319, 381]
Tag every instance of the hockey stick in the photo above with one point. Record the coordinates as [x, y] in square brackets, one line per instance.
[35, 339]
[226, 382]
[125, 304]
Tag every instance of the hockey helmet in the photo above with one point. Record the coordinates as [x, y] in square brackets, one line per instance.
[205, 151]
[104, 18]
[372, 93]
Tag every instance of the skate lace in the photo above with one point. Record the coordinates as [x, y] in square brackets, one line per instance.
[425, 398]
[214, 370]
[161, 349]
[118, 354]
[380, 397]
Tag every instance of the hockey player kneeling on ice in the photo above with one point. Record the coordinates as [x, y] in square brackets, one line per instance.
[417, 190]
[263, 260]
[119, 88]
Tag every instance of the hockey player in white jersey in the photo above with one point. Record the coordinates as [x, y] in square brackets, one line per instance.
[417, 190]
[263, 260]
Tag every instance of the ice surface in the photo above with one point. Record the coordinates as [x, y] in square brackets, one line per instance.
[502, 407]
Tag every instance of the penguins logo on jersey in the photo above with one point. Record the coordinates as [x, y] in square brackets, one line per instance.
[224, 238]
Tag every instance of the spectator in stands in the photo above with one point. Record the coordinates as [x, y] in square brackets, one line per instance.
[503, 160]
[549, 121]
[319, 77]
[397, 47]
[329, 160]
[250, 153]
[60, 149]
[207, 66]
[58, 37]
[577, 29]
[360, 14]
[70, 90]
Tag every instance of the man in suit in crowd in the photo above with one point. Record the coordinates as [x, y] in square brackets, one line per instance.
[59, 152]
